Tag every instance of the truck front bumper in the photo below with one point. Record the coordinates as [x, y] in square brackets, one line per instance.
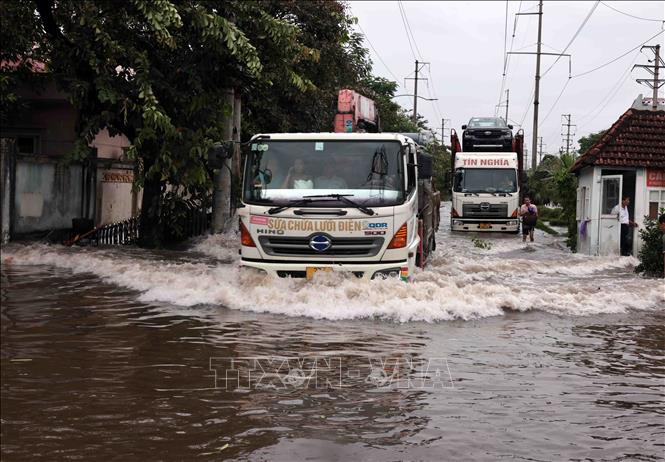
[507, 225]
[300, 269]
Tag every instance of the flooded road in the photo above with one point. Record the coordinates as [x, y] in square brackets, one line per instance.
[516, 352]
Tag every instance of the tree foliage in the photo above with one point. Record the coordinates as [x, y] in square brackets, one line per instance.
[651, 252]
[156, 71]
[587, 141]
[552, 182]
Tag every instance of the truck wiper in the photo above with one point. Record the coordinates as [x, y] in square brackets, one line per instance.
[471, 194]
[293, 203]
[344, 198]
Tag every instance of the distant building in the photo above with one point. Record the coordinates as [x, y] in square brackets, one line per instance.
[629, 159]
[40, 193]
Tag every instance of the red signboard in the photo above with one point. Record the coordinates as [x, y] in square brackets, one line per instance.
[655, 178]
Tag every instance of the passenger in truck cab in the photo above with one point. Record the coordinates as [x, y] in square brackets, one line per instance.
[507, 185]
[328, 178]
[297, 178]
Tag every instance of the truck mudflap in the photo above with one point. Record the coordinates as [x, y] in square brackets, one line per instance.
[400, 270]
[508, 225]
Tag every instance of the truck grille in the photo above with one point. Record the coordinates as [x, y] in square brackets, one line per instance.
[481, 133]
[340, 246]
[485, 210]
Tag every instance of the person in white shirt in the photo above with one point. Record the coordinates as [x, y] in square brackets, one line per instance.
[621, 211]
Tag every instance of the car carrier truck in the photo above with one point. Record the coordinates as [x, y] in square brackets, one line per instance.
[487, 188]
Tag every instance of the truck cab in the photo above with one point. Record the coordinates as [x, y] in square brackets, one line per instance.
[331, 202]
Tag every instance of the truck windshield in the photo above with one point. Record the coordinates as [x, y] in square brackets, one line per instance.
[369, 172]
[489, 180]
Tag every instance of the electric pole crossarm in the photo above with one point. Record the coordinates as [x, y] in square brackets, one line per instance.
[649, 82]
[534, 53]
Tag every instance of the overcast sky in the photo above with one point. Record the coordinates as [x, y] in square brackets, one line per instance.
[464, 42]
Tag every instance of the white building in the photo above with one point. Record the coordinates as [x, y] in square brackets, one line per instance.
[629, 159]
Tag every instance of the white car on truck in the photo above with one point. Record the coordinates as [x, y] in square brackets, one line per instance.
[333, 202]
[486, 188]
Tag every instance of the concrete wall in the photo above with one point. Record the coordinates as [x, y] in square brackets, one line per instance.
[590, 177]
[47, 195]
[116, 200]
[585, 211]
[109, 147]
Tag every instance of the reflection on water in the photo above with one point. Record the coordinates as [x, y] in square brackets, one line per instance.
[90, 372]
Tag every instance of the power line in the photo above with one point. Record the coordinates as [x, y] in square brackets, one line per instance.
[405, 20]
[555, 102]
[579, 29]
[377, 53]
[506, 58]
[406, 30]
[631, 15]
[617, 58]
[578, 75]
[613, 89]
[408, 25]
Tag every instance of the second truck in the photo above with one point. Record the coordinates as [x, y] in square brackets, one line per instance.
[487, 187]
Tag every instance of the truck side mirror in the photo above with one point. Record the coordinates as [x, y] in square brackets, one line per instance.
[510, 126]
[218, 153]
[463, 127]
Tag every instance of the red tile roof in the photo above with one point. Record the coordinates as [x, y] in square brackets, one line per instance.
[637, 139]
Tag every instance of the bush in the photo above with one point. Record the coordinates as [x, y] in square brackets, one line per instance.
[651, 253]
[549, 214]
[543, 227]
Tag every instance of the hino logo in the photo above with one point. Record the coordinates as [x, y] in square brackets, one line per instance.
[484, 205]
[320, 243]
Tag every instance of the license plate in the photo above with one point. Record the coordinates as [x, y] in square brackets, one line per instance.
[485, 226]
[310, 270]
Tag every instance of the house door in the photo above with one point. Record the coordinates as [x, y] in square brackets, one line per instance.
[609, 238]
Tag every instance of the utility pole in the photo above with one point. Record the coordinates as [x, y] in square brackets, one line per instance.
[654, 83]
[567, 134]
[501, 104]
[537, 88]
[221, 207]
[443, 130]
[540, 151]
[419, 65]
[536, 99]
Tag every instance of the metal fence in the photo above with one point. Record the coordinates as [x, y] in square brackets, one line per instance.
[122, 233]
[127, 232]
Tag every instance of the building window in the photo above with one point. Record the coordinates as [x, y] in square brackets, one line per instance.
[656, 202]
[27, 144]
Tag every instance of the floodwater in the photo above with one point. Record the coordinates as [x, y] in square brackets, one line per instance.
[513, 352]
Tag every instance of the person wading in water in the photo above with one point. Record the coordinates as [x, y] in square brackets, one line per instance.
[529, 214]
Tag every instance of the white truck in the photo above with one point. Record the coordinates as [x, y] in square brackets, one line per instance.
[487, 188]
[337, 202]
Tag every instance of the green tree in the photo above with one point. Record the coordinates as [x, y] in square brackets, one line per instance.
[553, 182]
[394, 117]
[156, 71]
[651, 252]
[587, 141]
